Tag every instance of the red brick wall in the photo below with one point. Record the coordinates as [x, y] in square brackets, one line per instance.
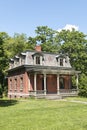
[25, 77]
[51, 83]
[39, 82]
[17, 76]
[31, 82]
[67, 81]
[38, 48]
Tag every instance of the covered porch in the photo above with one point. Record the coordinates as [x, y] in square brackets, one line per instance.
[53, 83]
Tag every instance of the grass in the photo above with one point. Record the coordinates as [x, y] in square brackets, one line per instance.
[77, 99]
[33, 114]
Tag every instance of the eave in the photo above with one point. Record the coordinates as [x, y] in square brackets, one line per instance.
[45, 69]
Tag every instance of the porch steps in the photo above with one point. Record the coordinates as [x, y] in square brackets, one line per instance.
[49, 96]
[53, 97]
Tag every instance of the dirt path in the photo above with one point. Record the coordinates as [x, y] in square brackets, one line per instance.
[79, 102]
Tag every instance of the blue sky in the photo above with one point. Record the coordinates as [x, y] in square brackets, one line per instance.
[23, 16]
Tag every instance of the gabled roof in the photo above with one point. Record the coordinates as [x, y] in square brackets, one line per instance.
[38, 54]
[61, 55]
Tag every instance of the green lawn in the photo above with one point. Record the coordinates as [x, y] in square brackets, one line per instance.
[77, 99]
[32, 114]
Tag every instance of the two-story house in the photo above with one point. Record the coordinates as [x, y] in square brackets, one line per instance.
[40, 73]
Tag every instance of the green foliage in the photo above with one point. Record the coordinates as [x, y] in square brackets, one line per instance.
[47, 38]
[74, 82]
[31, 43]
[3, 56]
[8, 48]
[83, 85]
[15, 45]
[74, 43]
[1, 91]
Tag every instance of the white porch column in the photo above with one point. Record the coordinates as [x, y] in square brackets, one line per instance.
[58, 84]
[69, 80]
[44, 84]
[77, 81]
[35, 87]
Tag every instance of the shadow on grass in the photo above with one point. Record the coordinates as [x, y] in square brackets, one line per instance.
[6, 103]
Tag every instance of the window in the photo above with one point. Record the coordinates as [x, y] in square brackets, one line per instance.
[21, 83]
[15, 63]
[61, 83]
[22, 60]
[10, 84]
[61, 62]
[11, 65]
[15, 84]
[37, 59]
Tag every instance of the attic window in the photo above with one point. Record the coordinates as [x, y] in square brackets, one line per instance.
[61, 62]
[37, 59]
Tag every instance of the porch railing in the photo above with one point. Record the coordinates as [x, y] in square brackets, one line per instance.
[68, 90]
[61, 92]
[38, 92]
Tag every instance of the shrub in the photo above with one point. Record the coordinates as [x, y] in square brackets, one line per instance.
[83, 85]
[1, 91]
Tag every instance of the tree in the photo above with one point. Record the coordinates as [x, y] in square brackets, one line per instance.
[31, 43]
[46, 37]
[9, 46]
[3, 60]
[74, 43]
[83, 85]
[14, 45]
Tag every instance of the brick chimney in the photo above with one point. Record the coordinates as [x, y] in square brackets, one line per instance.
[38, 48]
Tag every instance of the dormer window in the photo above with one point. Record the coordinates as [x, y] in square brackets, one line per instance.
[11, 63]
[61, 61]
[16, 61]
[22, 60]
[37, 59]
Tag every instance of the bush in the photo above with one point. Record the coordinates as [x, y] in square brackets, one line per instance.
[1, 91]
[83, 85]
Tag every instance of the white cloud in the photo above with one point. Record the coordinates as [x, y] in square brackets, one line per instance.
[69, 27]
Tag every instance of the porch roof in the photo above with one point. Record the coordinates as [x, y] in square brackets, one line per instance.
[53, 70]
[46, 69]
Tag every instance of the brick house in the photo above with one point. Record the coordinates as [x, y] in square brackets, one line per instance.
[39, 74]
